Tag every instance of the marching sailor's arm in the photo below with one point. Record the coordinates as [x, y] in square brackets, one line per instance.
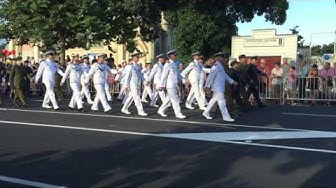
[39, 72]
[153, 72]
[66, 74]
[211, 77]
[112, 71]
[164, 75]
[91, 73]
[187, 70]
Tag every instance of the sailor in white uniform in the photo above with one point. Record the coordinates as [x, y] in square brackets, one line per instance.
[147, 88]
[134, 79]
[86, 87]
[154, 78]
[121, 78]
[169, 81]
[74, 72]
[195, 74]
[47, 70]
[216, 82]
[98, 71]
[107, 84]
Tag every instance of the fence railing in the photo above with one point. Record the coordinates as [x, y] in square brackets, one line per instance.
[287, 90]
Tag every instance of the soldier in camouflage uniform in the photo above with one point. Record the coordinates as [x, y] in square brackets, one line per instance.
[18, 75]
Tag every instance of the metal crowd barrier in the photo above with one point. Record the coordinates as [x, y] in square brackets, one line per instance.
[287, 90]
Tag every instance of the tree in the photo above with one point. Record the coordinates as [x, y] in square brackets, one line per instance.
[208, 25]
[320, 50]
[300, 37]
[64, 24]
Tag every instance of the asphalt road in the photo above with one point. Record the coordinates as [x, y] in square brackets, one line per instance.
[277, 146]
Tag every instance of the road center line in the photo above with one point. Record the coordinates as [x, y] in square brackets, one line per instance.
[314, 115]
[162, 136]
[28, 183]
[158, 120]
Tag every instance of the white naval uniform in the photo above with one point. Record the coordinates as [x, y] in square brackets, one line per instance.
[74, 72]
[85, 87]
[121, 78]
[196, 73]
[156, 75]
[98, 71]
[169, 80]
[201, 85]
[107, 85]
[147, 90]
[133, 81]
[47, 70]
[216, 81]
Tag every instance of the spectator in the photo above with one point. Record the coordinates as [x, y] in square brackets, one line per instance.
[264, 68]
[292, 83]
[303, 73]
[327, 75]
[277, 75]
[313, 83]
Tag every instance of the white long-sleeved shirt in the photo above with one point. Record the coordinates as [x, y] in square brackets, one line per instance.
[195, 72]
[74, 72]
[156, 73]
[169, 76]
[98, 71]
[217, 78]
[133, 75]
[47, 70]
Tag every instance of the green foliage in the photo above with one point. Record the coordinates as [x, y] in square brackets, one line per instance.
[198, 24]
[76, 23]
[208, 25]
[320, 50]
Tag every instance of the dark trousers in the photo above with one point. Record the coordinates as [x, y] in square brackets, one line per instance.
[253, 89]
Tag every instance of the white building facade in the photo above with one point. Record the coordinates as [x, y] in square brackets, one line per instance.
[266, 43]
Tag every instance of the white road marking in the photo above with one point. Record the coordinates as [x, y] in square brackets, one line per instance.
[314, 115]
[159, 120]
[28, 183]
[172, 136]
[256, 135]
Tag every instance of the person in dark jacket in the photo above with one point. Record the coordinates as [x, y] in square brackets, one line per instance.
[254, 73]
[18, 75]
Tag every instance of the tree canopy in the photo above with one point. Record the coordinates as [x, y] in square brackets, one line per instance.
[197, 24]
[320, 50]
[208, 25]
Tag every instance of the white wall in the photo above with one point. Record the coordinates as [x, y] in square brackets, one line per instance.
[287, 48]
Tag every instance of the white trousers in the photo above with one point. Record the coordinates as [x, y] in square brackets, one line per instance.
[171, 98]
[49, 96]
[100, 97]
[122, 92]
[86, 92]
[195, 93]
[134, 95]
[107, 91]
[147, 91]
[76, 99]
[157, 94]
[220, 99]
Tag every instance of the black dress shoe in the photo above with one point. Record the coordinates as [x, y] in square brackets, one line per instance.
[16, 104]
[71, 108]
[81, 110]
[56, 109]
[108, 112]
[25, 105]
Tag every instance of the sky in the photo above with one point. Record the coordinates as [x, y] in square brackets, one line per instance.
[316, 20]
